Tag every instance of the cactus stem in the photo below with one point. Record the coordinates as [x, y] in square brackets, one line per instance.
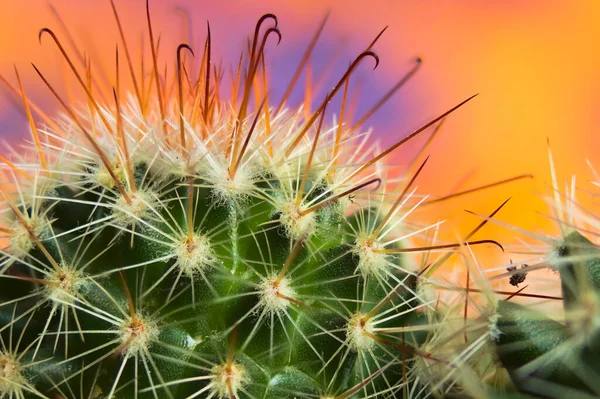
[228, 220]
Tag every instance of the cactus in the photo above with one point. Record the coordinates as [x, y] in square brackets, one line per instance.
[179, 244]
[554, 359]
[513, 349]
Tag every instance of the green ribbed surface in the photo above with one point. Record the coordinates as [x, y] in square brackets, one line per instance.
[217, 316]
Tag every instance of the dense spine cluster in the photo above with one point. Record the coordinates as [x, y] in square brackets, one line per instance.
[520, 344]
[557, 358]
[174, 242]
[182, 245]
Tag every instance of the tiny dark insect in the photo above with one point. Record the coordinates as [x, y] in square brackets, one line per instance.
[517, 277]
[351, 198]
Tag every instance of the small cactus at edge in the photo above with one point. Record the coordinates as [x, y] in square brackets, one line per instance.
[550, 358]
[511, 349]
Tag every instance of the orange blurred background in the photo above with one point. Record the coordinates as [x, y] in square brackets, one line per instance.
[535, 63]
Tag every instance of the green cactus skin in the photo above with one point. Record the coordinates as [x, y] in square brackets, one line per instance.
[159, 323]
[172, 247]
[549, 359]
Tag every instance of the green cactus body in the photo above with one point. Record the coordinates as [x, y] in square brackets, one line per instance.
[175, 248]
[548, 358]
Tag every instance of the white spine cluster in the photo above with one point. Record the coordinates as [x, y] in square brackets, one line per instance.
[359, 332]
[275, 294]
